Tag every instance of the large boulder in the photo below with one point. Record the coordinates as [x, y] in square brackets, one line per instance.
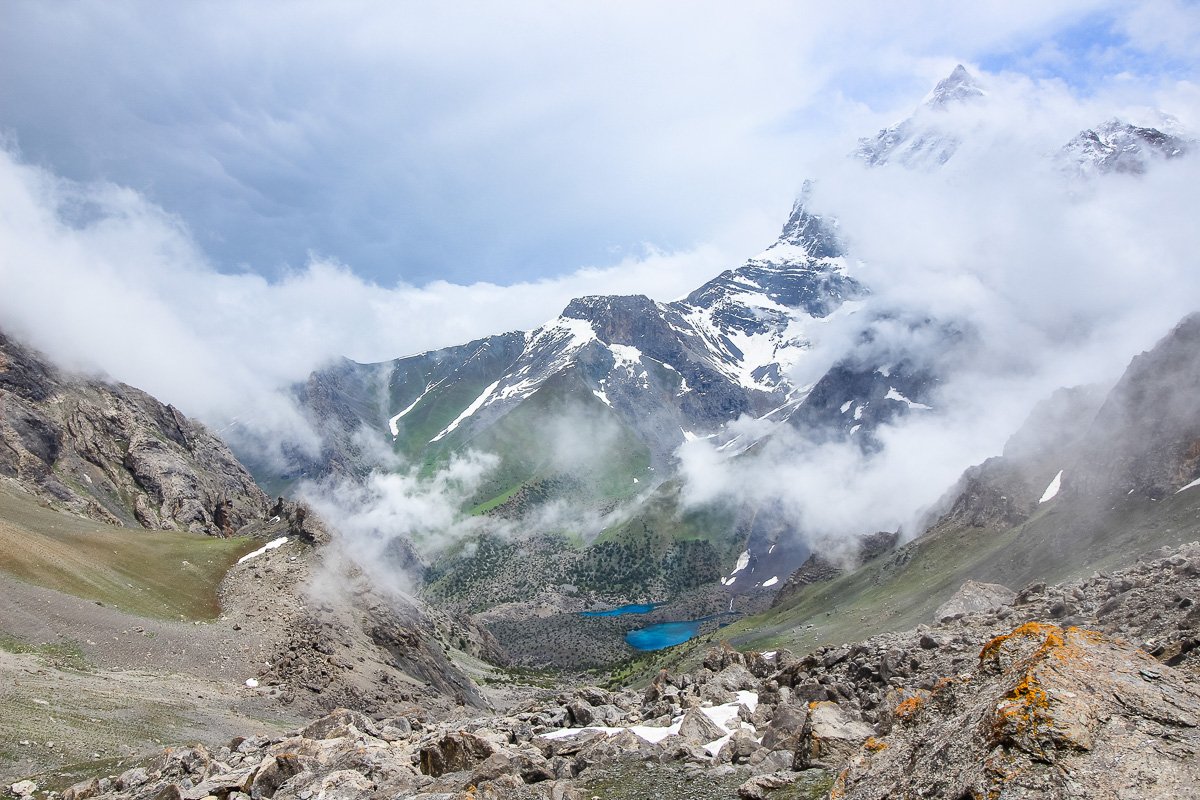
[973, 597]
[455, 751]
[786, 725]
[1049, 713]
[830, 737]
[697, 728]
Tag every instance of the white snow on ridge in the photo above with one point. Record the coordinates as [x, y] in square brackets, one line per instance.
[471, 409]
[771, 582]
[271, 545]
[1189, 486]
[626, 355]
[1053, 488]
[603, 397]
[846, 406]
[742, 561]
[578, 331]
[892, 394]
[392, 423]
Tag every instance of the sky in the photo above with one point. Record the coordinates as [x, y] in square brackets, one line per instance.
[246, 191]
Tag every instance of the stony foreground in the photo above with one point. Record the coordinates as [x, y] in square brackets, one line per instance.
[1083, 691]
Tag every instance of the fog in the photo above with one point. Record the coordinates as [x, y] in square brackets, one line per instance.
[1053, 279]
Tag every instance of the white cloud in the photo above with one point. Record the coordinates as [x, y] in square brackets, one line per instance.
[103, 280]
[1060, 282]
[411, 140]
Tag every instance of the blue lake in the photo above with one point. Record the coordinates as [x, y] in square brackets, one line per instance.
[664, 634]
[632, 608]
[669, 634]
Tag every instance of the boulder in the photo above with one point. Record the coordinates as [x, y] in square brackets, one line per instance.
[760, 787]
[697, 728]
[1073, 713]
[733, 678]
[973, 597]
[455, 751]
[830, 737]
[786, 725]
[338, 723]
[616, 747]
[740, 747]
[344, 784]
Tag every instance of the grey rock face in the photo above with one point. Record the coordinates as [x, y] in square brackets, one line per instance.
[114, 453]
[1066, 712]
[1143, 438]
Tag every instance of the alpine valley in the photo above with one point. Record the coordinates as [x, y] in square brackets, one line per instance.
[569, 612]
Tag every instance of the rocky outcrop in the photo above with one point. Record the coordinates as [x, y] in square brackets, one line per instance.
[1049, 712]
[113, 453]
[819, 568]
[1145, 439]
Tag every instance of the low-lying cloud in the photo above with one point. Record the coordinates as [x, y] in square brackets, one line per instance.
[1053, 280]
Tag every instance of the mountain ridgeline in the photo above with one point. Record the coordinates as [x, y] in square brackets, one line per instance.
[589, 411]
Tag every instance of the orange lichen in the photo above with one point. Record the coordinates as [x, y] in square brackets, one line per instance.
[1024, 713]
[1093, 637]
[942, 683]
[838, 789]
[909, 707]
[1052, 637]
[875, 745]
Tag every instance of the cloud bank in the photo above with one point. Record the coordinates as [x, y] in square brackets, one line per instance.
[1056, 280]
[103, 280]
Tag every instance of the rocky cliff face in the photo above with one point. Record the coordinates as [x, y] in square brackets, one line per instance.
[924, 140]
[1145, 439]
[114, 453]
[1090, 449]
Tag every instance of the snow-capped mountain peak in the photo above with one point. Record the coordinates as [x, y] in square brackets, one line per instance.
[1118, 146]
[924, 140]
[958, 87]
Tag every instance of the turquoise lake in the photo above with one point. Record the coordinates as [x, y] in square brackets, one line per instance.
[669, 634]
[632, 608]
[664, 634]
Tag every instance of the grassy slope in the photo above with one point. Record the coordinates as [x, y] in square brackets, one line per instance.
[529, 451]
[164, 574]
[903, 589]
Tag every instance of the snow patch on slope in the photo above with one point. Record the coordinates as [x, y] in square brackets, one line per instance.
[1053, 488]
[471, 409]
[892, 394]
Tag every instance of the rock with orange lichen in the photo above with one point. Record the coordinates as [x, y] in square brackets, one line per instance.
[1049, 712]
